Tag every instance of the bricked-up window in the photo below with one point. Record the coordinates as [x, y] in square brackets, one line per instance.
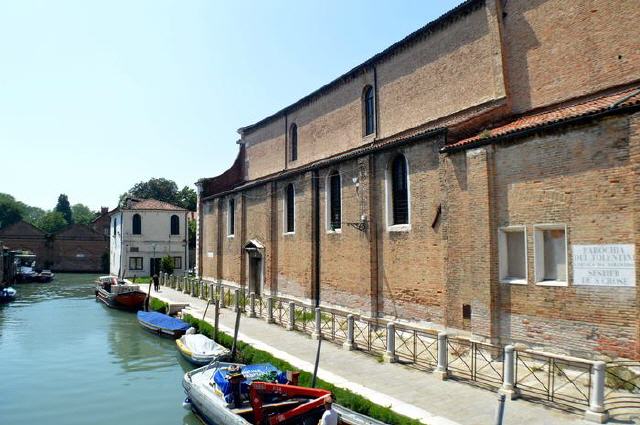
[177, 262]
[512, 246]
[137, 224]
[293, 142]
[550, 244]
[335, 201]
[231, 217]
[175, 225]
[369, 111]
[135, 263]
[289, 215]
[399, 191]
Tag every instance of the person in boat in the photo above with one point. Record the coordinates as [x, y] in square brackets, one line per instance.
[156, 282]
[329, 417]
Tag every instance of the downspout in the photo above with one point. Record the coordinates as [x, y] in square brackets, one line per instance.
[316, 234]
[120, 269]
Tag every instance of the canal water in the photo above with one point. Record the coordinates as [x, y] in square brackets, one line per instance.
[68, 359]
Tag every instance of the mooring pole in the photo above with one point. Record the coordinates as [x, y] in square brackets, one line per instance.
[500, 410]
[205, 310]
[235, 336]
[146, 302]
[315, 367]
[216, 318]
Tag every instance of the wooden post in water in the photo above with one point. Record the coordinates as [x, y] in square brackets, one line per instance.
[216, 318]
[315, 367]
[146, 301]
[235, 336]
[205, 310]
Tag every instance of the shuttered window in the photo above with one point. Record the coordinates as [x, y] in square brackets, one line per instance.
[399, 190]
[290, 209]
[335, 203]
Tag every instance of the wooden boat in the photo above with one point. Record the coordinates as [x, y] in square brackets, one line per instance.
[230, 394]
[119, 294]
[7, 295]
[199, 349]
[162, 324]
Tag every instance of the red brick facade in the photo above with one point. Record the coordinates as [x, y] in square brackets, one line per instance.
[518, 117]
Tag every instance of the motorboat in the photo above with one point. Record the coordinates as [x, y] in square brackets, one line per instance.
[7, 295]
[162, 324]
[200, 350]
[121, 294]
[26, 270]
[237, 394]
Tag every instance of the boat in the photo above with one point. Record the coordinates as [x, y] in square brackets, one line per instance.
[237, 394]
[200, 350]
[120, 294]
[26, 271]
[162, 324]
[7, 295]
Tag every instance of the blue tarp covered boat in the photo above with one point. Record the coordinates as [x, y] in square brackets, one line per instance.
[162, 324]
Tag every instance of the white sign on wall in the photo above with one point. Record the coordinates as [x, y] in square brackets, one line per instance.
[209, 254]
[604, 265]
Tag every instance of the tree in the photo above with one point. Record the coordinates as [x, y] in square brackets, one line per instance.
[10, 212]
[192, 233]
[82, 214]
[188, 198]
[52, 221]
[64, 208]
[166, 264]
[156, 188]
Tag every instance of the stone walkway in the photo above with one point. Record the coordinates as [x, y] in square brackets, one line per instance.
[416, 394]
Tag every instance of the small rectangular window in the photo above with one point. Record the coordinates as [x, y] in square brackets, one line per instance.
[231, 217]
[135, 263]
[512, 246]
[177, 262]
[134, 249]
[550, 254]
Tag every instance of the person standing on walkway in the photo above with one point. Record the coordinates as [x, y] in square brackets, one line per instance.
[329, 417]
[156, 283]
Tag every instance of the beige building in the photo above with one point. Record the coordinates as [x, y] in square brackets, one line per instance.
[480, 175]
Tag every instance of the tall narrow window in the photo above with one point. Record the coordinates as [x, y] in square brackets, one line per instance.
[335, 201]
[231, 217]
[369, 111]
[399, 191]
[293, 141]
[290, 209]
[115, 223]
[137, 224]
[175, 225]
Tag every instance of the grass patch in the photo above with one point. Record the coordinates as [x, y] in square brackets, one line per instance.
[248, 355]
[157, 305]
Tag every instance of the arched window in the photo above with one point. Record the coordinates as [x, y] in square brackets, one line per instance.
[289, 216]
[137, 224]
[293, 142]
[175, 225]
[335, 201]
[369, 111]
[399, 191]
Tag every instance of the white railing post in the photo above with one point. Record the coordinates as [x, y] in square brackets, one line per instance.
[236, 306]
[596, 412]
[442, 371]
[252, 305]
[292, 316]
[270, 310]
[349, 343]
[212, 292]
[191, 287]
[222, 300]
[508, 385]
[389, 356]
[317, 332]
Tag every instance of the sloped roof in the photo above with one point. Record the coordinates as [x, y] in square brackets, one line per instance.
[21, 228]
[151, 204]
[609, 102]
[78, 231]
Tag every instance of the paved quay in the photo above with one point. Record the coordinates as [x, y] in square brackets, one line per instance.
[416, 394]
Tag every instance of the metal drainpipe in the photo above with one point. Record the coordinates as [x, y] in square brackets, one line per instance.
[316, 231]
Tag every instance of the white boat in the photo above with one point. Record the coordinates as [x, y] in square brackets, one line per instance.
[199, 349]
[211, 397]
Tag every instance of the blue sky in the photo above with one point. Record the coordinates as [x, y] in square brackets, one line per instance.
[96, 96]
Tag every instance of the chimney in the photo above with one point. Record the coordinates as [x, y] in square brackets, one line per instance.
[104, 210]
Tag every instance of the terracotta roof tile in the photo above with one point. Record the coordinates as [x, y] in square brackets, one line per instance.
[152, 204]
[628, 97]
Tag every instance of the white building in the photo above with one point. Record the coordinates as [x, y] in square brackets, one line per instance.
[144, 231]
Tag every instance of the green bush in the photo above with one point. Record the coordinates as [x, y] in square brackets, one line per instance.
[249, 355]
[157, 305]
[166, 264]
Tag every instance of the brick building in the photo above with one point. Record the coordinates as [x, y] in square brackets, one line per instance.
[76, 248]
[481, 175]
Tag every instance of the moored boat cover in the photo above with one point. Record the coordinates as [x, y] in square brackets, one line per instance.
[256, 372]
[200, 344]
[162, 321]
